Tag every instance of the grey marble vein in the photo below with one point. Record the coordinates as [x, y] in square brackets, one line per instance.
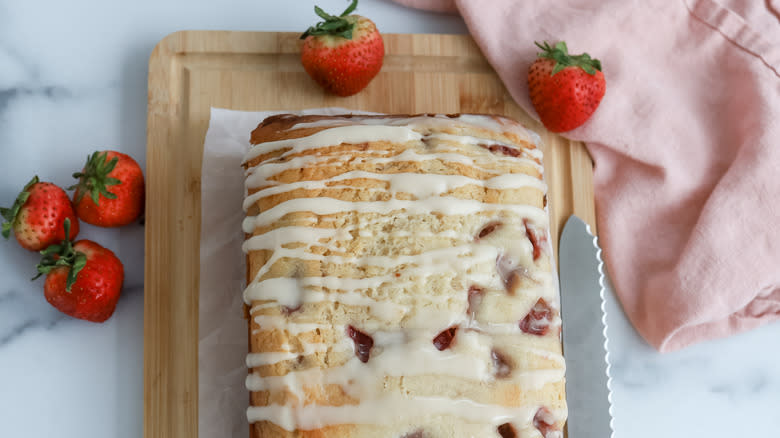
[32, 324]
[22, 312]
[49, 92]
[5, 98]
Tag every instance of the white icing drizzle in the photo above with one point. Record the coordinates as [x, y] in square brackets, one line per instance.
[446, 205]
[258, 359]
[270, 358]
[347, 375]
[260, 176]
[352, 134]
[267, 322]
[432, 261]
[423, 123]
[422, 185]
[457, 156]
[403, 339]
[408, 353]
[422, 320]
[279, 291]
[416, 357]
[376, 411]
[476, 141]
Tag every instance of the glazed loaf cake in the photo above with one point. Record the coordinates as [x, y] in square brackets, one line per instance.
[400, 280]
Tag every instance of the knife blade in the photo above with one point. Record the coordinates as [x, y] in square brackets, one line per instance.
[583, 316]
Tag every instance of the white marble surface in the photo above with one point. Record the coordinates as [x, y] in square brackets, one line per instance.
[73, 79]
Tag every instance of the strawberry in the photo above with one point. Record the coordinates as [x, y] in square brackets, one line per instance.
[344, 53]
[565, 89]
[38, 215]
[83, 279]
[115, 185]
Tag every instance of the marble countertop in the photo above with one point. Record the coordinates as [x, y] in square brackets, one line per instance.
[73, 80]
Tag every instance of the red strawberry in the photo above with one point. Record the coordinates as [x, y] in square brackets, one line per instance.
[38, 215]
[344, 53]
[565, 89]
[114, 183]
[83, 279]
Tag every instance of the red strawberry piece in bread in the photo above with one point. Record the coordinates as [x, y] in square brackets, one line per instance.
[343, 53]
[83, 279]
[38, 215]
[544, 422]
[363, 343]
[537, 321]
[110, 191]
[506, 430]
[443, 340]
[565, 89]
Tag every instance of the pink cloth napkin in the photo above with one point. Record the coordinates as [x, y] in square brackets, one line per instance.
[686, 145]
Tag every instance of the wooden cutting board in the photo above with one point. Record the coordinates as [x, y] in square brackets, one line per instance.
[190, 72]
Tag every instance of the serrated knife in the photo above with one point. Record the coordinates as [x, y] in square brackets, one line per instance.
[584, 333]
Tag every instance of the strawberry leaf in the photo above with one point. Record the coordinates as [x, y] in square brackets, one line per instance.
[94, 179]
[62, 255]
[9, 214]
[350, 9]
[333, 25]
[6, 232]
[78, 264]
[107, 168]
[324, 15]
[560, 54]
[95, 194]
[9, 220]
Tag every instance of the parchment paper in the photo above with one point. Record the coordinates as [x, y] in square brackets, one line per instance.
[222, 343]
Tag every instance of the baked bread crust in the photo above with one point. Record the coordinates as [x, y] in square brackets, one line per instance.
[422, 235]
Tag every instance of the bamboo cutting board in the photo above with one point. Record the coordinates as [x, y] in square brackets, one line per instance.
[190, 72]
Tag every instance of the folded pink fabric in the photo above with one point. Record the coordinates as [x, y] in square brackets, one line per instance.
[686, 145]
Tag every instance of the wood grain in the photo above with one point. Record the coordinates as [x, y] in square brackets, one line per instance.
[190, 72]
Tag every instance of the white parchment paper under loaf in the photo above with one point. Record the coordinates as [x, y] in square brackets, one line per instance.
[223, 339]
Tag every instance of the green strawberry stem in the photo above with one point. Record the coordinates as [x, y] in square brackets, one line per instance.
[9, 214]
[62, 254]
[333, 25]
[94, 179]
[560, 54]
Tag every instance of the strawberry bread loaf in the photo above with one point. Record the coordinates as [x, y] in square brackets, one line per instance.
[400, 280]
